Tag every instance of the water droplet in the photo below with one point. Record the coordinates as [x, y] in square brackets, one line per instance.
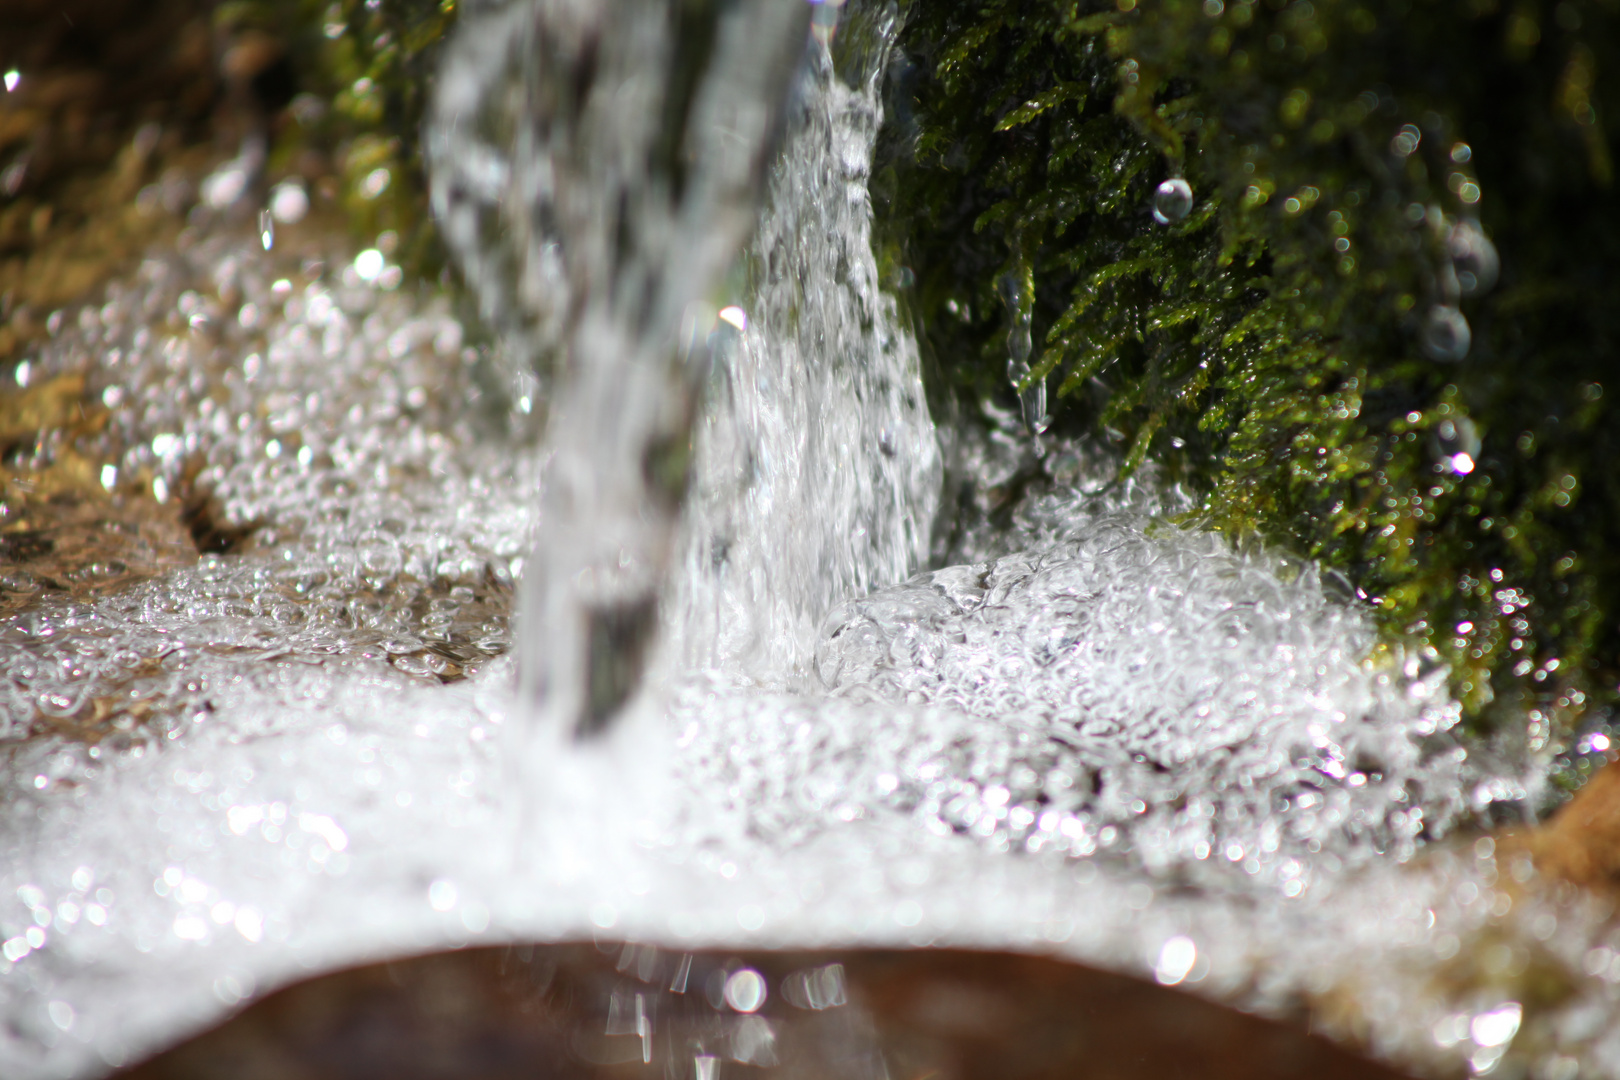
[1176, 960]
[1445, 334]
[745, 990]
[442, 895]
[1497, 1026]
[289, 202]
[1172, 201]
[1016, 288]
[375, 183]
[226, 185]
[1473, 256]
[267, 229]
[1456, 444]
[1406, 141]
[369, 264]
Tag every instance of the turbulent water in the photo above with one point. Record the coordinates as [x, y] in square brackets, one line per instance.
[1096, 734]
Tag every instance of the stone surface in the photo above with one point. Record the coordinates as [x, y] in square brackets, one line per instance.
[552, 1011]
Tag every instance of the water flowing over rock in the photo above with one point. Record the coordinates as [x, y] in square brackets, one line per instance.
[1099, 735]
[596, 167]
[818, 471]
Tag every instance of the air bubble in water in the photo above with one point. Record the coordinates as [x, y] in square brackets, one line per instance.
[1445, 334]
[267, 230]
[1172, 201]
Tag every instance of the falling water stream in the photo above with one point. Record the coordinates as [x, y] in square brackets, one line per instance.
[741, 708]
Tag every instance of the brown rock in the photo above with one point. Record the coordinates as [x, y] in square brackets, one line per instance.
[583, 1011]
[1581, 844]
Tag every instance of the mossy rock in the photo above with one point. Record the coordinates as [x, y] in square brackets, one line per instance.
[1294, 346]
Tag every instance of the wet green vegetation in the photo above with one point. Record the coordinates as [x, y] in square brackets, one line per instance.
[1318, 346]
[345, 83]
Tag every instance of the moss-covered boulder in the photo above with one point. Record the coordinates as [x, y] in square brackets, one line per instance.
[1381, 331]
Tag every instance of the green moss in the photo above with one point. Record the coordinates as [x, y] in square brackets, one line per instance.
[1270, 347]
[362, 71]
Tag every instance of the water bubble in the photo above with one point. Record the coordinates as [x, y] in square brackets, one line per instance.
[1172, 201]
[745, 990]
[1497, 1026]
[1406, 141]
[267, 229]
[289, 202]
[1445, 334]
[369, 264]
[442, 895]
[1473, 256]
[226, 185]
[375, 183]
[1176, 960]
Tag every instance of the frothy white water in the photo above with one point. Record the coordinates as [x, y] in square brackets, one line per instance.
[818, 472]
[1106, 737]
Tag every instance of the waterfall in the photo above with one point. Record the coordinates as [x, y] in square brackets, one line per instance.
[1099, 735]
[596, 166]
[818, 472]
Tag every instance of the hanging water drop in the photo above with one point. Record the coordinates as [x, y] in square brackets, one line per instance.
[267, 229]
[1445, 334]
[1456, 445]
[1473, 256]
[1172, 201]
[1016, 288]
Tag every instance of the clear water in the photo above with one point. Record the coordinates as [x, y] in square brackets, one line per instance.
[1094, 733]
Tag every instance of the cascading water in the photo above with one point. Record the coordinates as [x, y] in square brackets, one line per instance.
[1100, 735]
[619, 147]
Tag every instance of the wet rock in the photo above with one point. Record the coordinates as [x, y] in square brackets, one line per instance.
[566, 1011]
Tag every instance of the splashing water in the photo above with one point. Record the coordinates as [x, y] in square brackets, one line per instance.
[644, 130]
[1099, 734]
